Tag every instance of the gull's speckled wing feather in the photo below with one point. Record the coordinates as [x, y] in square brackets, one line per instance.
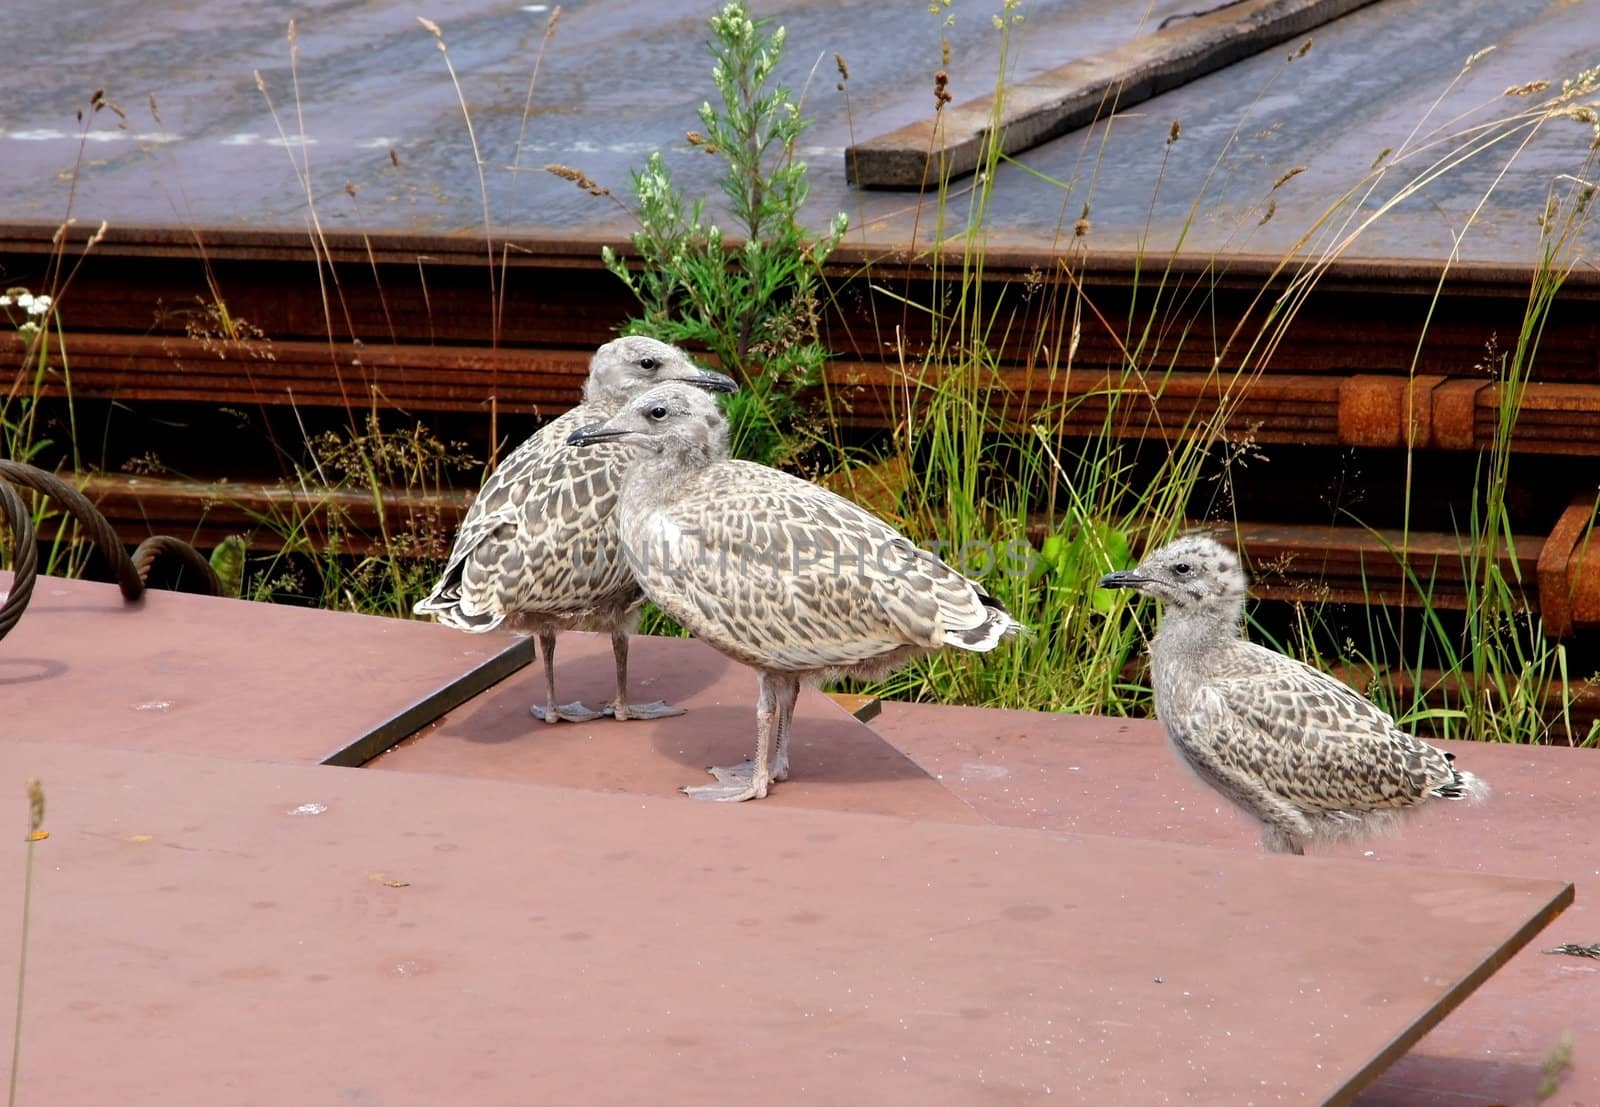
[1311, 739]
[541, 537]
[780, 573]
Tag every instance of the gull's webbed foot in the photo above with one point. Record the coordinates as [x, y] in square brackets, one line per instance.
[655, 709]
[570, 712]
[735, 783]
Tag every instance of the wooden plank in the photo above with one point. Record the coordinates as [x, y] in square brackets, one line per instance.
[1040, 108]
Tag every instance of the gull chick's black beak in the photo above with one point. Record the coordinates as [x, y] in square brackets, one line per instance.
[1127, 578]
[711, 382]
[594, 432]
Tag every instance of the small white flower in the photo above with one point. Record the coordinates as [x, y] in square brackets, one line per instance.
[39, 306]
[5, 301]
[25, 299]
[25, 329]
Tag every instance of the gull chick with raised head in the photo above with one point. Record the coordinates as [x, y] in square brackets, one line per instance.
[1308, 757]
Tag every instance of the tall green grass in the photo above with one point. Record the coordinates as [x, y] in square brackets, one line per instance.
[41, 365]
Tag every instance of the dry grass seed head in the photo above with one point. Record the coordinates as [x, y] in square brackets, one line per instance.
[35, 804]
[579, 178]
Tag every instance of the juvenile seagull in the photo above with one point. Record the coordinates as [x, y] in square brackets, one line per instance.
[539, 544]
[799, 584]
[1306, 755]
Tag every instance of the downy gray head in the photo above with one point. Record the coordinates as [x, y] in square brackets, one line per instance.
[625, 367]
[674, 419]
[1194, 575]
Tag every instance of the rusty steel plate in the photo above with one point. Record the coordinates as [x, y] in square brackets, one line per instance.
[362, 114]
[1117, 776]
[838, 762]
[208, 675]
[219, 930]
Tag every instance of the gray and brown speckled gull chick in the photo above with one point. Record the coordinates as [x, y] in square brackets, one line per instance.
[539, 544]
[1307, 756]
[797, 583]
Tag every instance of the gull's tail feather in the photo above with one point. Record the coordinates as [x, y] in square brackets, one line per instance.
[1464, 786]
[997, 626]
[444, 604]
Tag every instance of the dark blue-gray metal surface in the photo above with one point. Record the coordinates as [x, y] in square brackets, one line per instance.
[620, 79]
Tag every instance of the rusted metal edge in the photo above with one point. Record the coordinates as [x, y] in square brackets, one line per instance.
[1368, 409]
[1351, 564]
[386, 735]
[1251, 271]
[1567, 598]
[1580, 703]
[1040, 108]
[862, 708]
[1354, 564]
[1459, 991]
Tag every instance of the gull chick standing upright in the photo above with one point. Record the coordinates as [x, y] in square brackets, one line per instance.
[539, 544]
[788, 578]
[1307, 756]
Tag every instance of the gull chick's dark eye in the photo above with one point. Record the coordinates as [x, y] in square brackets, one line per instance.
[648, 363]
[1181, 568]
[658, 412]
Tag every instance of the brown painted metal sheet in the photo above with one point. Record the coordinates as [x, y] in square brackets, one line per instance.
[621, 79]
[200, 674]
[216, 930]
[838, 762]
[1095, 775]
